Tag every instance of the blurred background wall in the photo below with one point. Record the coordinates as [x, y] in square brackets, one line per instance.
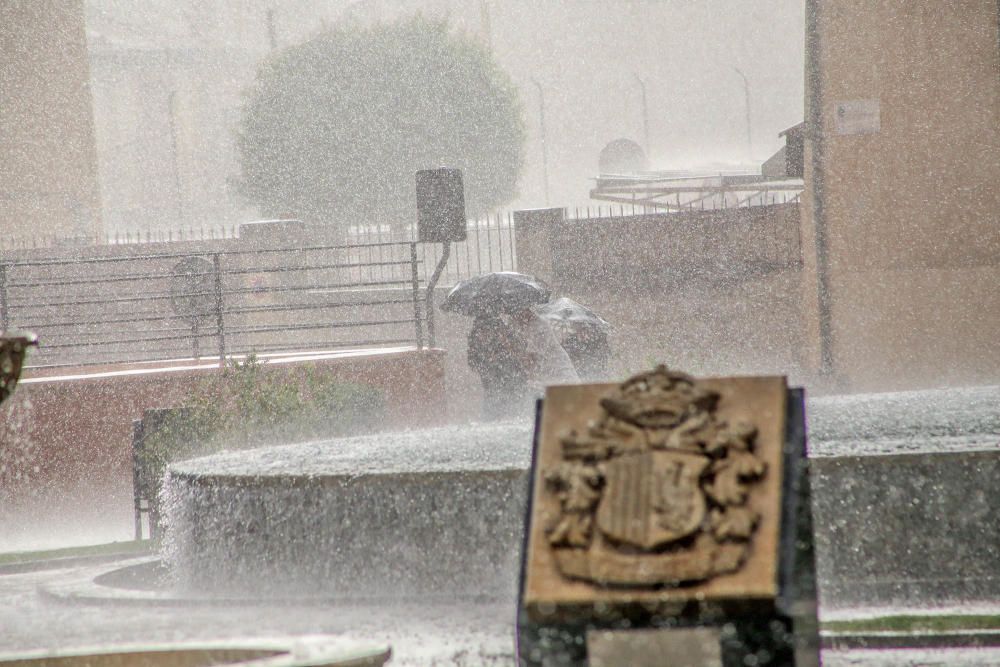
[901, 208]
[48, 165]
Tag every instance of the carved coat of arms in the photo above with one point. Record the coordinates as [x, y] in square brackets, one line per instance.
[655, 491]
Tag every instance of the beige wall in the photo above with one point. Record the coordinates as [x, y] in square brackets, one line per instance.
[910, 205]
[649, 252]
[712, 293]
[48, 164]
[66, 464]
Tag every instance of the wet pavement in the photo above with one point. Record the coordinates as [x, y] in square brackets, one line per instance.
[460, 634]
[420, 634]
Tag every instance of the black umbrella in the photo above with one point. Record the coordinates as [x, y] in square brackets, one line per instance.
[571, 318]
[493, 293]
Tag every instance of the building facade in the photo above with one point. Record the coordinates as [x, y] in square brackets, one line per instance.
[48, 171]
[902, 209]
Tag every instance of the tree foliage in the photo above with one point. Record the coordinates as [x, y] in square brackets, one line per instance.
[334, 129]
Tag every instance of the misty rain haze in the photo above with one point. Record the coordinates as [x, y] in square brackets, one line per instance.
[300, 270]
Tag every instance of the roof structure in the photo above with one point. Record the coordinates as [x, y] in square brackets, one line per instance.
[794, 130]
[683, 193]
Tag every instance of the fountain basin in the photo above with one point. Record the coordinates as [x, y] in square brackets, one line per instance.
[436, 512]
[903, 505]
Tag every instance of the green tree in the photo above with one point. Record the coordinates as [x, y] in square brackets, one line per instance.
[334, 129]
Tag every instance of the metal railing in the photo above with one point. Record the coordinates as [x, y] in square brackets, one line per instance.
[728, 200]
[100, 310]
[490, 245]
[690, 193]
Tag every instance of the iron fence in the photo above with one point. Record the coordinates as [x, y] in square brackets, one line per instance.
[490, 245]
[694, 201]
[217, 303]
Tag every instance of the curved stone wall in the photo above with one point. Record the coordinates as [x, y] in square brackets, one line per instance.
[432, 512]
[904, 505]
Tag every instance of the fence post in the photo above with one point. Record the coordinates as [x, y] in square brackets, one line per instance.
[431, 286]
[4, 316]
[137, 478]
[415, 286]
[195, 344]
[217, 261]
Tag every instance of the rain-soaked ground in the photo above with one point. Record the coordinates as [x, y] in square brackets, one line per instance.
[481, 633]
[457, 634]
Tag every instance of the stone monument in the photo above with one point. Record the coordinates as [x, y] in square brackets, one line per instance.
[669, 523]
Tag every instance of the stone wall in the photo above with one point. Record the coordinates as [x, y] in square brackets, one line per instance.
[437, 534]
[903, 531]
[907, 530]
[644, 253]
[713, 292]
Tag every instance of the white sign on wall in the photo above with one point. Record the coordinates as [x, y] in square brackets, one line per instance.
[857, 117]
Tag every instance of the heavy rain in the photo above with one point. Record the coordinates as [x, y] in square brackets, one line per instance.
[469, 332]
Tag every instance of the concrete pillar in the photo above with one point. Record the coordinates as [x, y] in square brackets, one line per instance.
[48, 170]
[533, 233]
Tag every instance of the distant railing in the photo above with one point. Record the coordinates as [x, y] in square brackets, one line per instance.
[490, 245]
[691, 203]
[216, 303]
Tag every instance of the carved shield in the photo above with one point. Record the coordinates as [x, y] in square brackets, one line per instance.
[653, 498]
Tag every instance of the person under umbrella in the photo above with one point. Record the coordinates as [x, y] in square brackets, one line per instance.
[546, 359]
[494, 353]
[513, 350]
[582, 333]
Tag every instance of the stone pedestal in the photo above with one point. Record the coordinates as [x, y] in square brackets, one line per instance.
[669, 523]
